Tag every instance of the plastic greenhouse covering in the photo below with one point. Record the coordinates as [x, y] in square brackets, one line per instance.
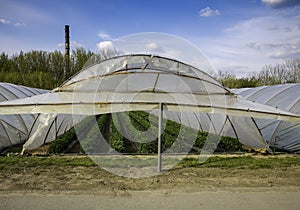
[15, 129]
[283, 135]
[47, 127]
[143, 82]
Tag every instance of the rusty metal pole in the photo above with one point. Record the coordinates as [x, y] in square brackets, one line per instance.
[67, 51]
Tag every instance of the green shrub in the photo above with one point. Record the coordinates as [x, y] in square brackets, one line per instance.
[61, 144]
[90, 142]
[117, 140]
[230, 144]
[175, 136]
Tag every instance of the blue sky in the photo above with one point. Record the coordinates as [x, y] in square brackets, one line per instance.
[237, 36]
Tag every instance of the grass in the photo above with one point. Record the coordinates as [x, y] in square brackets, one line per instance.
[30, 162]
[242, 162]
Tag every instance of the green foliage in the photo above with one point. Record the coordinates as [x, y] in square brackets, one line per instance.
[90, 141]
[40, 69]
[148, 148]
[16, 149]
[170, 134]
[242, 162]
[229, 144]
[19, 163]
[117, 140]
[287, 72]
[79, 58]
[60, 145]
[140, 120]
[231, 81]
[226, 143]
[201, 138]
[176, 138]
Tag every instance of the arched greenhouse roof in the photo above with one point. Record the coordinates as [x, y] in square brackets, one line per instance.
[15, 129]
[112, 83]
[285, 135]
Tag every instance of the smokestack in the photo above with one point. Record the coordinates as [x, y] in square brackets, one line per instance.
[67, 51]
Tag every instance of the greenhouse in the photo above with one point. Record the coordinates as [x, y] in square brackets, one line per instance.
[280, 134]
[15, 128]
[148, 83]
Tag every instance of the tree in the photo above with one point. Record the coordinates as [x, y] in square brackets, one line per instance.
[280, 73]
[293, 69]
[5, 62]
[231, 81]
[56, 68]
[79, 58]
[40, 69]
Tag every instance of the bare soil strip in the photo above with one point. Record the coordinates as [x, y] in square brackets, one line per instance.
[94, 180]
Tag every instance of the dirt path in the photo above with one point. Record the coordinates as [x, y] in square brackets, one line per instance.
[228, 198]
[99, 181]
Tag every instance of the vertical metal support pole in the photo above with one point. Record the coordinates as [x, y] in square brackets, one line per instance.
[160, 123]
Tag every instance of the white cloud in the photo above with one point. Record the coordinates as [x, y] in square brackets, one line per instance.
[276, 4]
[275, 37]
[104, 36]
[107, 49]
[153, 46]
[61, 44]
[281, 50]
[163, 49]
[19, 24]
[74, 44]
[249, 45]
[105, 45]
[208, 12]
[8, 22]
[4, 21]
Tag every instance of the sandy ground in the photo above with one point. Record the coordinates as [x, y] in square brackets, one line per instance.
[91, 187]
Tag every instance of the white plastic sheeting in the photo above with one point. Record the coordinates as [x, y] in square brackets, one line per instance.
[142, 82]
[17, 128]
[284, 135]
[242, 128]
[47, 127]
[14, 129]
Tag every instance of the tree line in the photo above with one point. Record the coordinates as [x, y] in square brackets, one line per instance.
[47, 70]
[41, 69]
[287, 72]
